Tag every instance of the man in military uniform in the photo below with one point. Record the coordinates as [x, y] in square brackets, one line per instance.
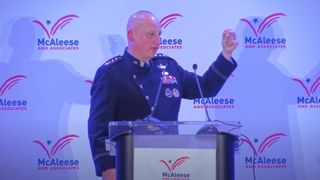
[125, 87]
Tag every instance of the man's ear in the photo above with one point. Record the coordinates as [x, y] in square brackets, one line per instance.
[130, 35]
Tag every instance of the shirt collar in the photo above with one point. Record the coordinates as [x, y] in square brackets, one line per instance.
[135, 61]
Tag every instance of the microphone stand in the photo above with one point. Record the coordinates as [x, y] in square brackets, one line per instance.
[150, 118]
[207, 129]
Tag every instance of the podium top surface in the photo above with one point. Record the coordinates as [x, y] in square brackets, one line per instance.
[118, 128]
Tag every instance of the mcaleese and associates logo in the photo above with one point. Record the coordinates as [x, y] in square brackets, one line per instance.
[12, 104]
[52, 161]
[214, 103]
[258, 37]
[170, 43]
[257, 159]
[311, 99]
[171, 173]
[50, 29]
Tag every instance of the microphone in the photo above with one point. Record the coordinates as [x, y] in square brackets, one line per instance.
[207, 129]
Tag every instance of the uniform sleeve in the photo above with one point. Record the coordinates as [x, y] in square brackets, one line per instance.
[102, 110]
[212, 80]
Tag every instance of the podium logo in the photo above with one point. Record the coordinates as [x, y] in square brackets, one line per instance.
[51, 43]
[171, 166]
[170, 43]
[7, 104]
[259, 38]
[175, 164]
[311, 100]
[51, 162]
[258, 160]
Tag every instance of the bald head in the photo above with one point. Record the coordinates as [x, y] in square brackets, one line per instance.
[143, 34]
[139, 18]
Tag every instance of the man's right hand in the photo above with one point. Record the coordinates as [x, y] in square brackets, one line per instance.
[109, 174]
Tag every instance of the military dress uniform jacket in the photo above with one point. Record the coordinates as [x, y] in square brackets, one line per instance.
[125, 89]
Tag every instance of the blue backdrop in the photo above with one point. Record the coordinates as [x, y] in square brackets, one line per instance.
[50, 50]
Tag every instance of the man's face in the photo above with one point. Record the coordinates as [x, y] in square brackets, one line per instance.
[147, 39]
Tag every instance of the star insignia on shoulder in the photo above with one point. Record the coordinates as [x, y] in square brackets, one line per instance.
[113, 60]
[162, 56]
[159, 55]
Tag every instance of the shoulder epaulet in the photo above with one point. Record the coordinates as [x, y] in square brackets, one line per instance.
[161, 55]
[113, 60]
